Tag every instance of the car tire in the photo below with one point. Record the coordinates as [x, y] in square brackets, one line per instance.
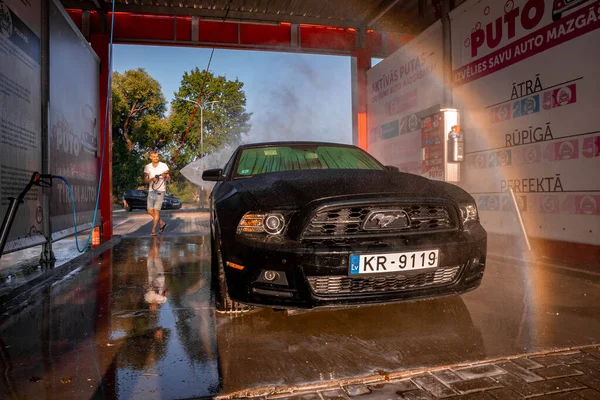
[129, 208]
[223, 303]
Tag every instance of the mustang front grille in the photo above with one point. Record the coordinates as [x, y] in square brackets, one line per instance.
[340, 285]
[348, 222]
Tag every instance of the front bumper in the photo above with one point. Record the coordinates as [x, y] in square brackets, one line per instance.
[318, 276]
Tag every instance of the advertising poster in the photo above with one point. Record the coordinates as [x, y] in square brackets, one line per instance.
[74, 123]
[525, 75]
[20, 117]
[432, 143]
[400, 89]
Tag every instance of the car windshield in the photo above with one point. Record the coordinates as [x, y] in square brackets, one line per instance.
[261, 160]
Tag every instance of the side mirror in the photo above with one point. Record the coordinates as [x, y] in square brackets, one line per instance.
[213, 175]
[391, 168]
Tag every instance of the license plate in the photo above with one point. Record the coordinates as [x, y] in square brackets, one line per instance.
[393, 262]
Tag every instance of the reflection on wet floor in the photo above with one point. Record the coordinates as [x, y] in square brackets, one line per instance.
[135, 323]
[162, 321]
[344, 343]
[139, 322]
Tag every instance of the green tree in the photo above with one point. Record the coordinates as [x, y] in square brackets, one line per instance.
[224, 121]
[138, 125]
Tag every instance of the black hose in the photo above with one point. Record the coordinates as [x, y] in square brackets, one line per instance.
[36, 179]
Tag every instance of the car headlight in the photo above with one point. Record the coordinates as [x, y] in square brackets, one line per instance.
[469, 212]
[272, 223]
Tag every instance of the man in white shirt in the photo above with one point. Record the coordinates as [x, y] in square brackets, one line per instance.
[156, 176]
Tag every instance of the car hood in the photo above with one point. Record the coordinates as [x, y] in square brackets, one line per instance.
[298, 188]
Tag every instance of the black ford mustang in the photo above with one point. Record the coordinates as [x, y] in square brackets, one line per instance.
[310, 224]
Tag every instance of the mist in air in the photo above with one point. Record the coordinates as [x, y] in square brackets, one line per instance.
[193, 171]
[304, 100]
[299, 102]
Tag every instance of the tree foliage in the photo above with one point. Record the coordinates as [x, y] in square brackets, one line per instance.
[223, 122]
[138, 110]
[128, 167]
[139, 123]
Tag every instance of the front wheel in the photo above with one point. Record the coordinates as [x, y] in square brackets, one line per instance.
[223, 303]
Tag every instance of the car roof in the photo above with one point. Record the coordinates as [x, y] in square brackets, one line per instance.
[292, 143]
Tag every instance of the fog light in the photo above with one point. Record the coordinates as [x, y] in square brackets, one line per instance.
[271, 275]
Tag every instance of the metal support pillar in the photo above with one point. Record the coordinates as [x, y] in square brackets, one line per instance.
[100, 44]
[47, 257]
[195, 29]
[85, 24]
[447, 52]
[295, 36]
[361, 62]
[421, 6]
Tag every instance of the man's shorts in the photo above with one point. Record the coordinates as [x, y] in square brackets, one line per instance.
[155, 200]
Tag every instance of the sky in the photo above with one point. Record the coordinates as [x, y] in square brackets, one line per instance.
[291, 96]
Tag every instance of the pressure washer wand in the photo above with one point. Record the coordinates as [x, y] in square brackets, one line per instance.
[36, 179]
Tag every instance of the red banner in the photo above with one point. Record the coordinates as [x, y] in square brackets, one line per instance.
[585, 20]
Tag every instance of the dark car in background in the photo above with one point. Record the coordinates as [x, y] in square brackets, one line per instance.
[137, 199]
[310, 224]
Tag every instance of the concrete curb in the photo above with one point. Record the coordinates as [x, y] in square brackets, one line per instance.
[273, 392]
[22, 293]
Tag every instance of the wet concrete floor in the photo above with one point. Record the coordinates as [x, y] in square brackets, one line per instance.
[139, 322]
